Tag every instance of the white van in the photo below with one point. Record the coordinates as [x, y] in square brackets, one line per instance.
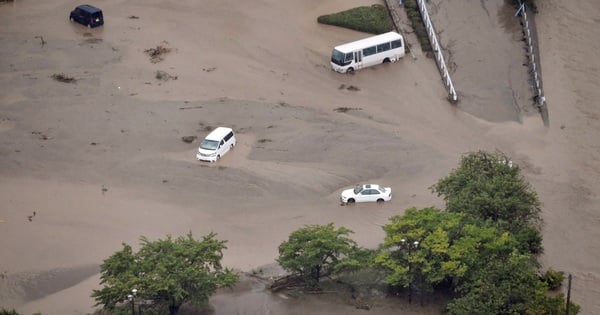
[216, 144]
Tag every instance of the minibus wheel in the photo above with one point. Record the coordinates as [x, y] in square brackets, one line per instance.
[350, 70]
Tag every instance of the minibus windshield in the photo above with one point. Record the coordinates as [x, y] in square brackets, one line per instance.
[337, 57]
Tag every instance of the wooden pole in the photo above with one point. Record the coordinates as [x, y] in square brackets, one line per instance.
[568, 296]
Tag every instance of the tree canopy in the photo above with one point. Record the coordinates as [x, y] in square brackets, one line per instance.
[166, 273]
[483, 246]
[489, 186]
[314, 250]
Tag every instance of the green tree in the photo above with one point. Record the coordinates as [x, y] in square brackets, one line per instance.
[489, 186]
[550, 304]
[426, 247]
[416, 248]
[314, 251]
[166, 273]
[504, 286]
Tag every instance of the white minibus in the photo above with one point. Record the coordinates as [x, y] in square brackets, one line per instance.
[387, 47]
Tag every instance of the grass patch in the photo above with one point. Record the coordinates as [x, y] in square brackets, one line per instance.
[373, 19]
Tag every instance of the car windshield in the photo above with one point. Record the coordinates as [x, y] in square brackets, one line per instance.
[358, 189]
[209, 144]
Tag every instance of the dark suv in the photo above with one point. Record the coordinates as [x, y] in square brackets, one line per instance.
[87, 15]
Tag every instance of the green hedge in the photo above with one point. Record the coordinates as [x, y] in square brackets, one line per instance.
[374, 19]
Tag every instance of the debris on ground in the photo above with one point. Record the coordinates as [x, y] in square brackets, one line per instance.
[346, 109]
[41, 135]
[164, 76]
[157, 54]
[188, 139]
[349, 87]
[61, 77]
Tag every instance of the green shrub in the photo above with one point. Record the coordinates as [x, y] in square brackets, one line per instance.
[4, 311]
[553, 278]
[412, 11]
[374, 19]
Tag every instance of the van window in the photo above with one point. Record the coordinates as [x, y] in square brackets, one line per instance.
[228, 136]
[370, 51]
[383, 47]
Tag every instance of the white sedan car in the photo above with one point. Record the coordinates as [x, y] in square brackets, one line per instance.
[366, 193]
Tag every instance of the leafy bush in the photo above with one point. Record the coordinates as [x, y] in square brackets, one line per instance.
[4, 311]
[374, 19]
[553, 278]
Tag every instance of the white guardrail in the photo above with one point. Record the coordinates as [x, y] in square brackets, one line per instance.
[539, 98]
[439, 56]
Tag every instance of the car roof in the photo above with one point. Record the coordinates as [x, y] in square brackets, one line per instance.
[371, 186]
[89, 8]
[218, 133]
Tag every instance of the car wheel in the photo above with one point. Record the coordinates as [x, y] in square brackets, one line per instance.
[380, 200]
[351, 200]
